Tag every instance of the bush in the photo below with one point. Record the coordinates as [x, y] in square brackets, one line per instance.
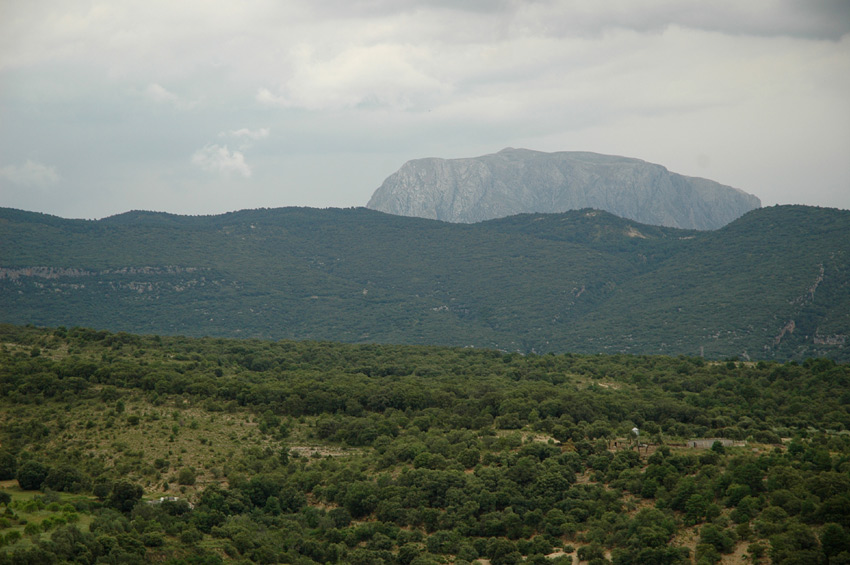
[588, 552]
[717, 538]
[153, 539]
[124, 496]
[67, 479]
[102, 488]
[31, 475]
[190, 536]
[766, 436]
[186, 476]
[707, 554]
[8, 465]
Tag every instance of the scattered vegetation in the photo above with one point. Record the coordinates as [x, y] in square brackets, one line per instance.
[119, 448]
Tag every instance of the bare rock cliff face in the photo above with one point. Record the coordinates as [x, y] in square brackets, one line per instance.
[515, 181]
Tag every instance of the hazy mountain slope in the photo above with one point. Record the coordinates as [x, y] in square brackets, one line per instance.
[761, 287]
[579, 281]
[515, 181]
[350, 275]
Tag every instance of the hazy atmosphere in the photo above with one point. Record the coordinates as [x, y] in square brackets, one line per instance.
[206, 107]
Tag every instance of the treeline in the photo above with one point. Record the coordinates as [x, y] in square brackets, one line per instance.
[391, 454]
[469, 388]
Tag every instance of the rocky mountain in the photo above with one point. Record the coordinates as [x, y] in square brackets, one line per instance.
[515, 181]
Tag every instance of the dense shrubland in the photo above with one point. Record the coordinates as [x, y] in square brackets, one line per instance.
[308, 452]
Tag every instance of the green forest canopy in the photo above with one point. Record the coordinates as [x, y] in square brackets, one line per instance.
[771, 285]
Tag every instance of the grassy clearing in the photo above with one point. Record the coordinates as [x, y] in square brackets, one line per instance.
[33, 515]
[171, 447]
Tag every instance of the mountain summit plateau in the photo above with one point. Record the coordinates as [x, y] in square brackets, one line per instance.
[516, 181]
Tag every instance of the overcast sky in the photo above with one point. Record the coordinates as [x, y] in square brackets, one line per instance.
[201, 107]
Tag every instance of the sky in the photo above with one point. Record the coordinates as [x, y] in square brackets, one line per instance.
[203, 107]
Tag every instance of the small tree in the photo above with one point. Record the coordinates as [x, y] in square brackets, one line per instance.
[833, 540]
[125, 495]
[186, 476]
[102, 488]
[8, 465]
[31, 475]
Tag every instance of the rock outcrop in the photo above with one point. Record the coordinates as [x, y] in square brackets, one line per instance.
[515, 181]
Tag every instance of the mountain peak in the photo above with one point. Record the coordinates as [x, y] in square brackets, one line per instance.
[515, 181]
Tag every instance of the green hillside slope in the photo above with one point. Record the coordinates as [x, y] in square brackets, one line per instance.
[581, 281]
[773, 284]
[120, 448]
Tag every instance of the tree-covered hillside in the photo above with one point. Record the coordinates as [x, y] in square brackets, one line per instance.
[311, 452]
[117, 448]
[772, 285]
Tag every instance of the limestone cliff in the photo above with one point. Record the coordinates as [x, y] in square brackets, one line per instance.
[515, 181]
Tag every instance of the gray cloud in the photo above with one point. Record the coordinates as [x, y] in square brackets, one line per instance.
[826, 19]
[258, 103]
[817, 19]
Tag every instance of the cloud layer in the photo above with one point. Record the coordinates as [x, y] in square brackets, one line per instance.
[30, 173]
[211, 106]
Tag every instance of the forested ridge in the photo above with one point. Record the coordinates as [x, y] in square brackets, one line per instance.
[319, 452]
[771, 285]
